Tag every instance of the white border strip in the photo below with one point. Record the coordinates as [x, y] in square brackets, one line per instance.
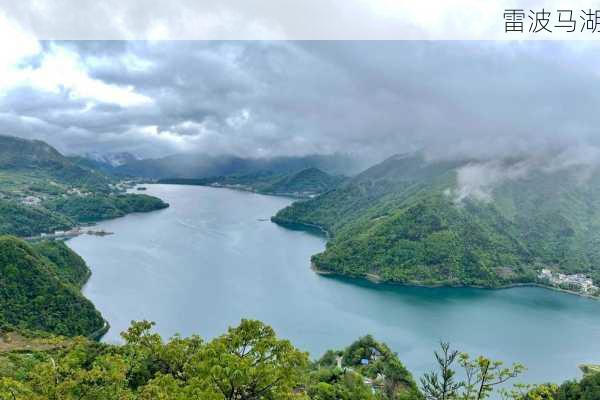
[287, 20]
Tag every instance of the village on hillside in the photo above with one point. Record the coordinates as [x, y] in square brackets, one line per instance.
[576, 282]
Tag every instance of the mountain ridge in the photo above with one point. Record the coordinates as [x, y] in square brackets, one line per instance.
[403, 221]
[198, 166]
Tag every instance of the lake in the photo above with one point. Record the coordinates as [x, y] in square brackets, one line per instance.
[214, 257]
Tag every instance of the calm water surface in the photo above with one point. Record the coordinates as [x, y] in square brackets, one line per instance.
[213, 258]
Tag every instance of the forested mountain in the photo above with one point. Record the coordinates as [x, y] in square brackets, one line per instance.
[39, 289]
[305, 183]
[42, 191]
[113, 159]
[93, 208]
[196, 166]
[40, 160]
[409, 220]
[309, 180]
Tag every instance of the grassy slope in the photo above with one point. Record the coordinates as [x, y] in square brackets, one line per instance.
[40, 162]
[64, 262]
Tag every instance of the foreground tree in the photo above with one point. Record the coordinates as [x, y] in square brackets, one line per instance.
[249, 362]
[441, 386]
[481, 376]
[588, 388]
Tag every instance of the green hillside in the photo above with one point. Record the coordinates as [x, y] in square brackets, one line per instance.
[305, 182]
[42, 191]
[39, 289]
[64, 262]
[21, 220]
[39, 160]
[94, 208]
[402, 221]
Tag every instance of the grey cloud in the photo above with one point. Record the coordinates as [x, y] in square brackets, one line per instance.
[207, 19]
[452, 99]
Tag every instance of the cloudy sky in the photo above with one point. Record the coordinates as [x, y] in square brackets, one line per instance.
[258, 98]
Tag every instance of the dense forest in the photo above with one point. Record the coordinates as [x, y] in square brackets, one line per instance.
[249, 362]
[20, 220]
[407, 220]
[98, 207]
[40, 289]
[64, 262]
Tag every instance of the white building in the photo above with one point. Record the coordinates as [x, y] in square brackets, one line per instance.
[31, 201]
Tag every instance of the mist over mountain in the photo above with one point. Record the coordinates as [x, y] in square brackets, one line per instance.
[114, 159]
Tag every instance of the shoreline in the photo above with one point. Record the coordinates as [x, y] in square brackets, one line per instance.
[302, 226]
[375, 279]
[100, 332]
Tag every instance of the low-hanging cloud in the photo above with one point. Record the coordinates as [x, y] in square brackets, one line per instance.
[479, 179]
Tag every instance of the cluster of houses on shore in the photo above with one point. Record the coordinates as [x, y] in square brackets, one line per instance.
[578, 282]
[73, 232]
